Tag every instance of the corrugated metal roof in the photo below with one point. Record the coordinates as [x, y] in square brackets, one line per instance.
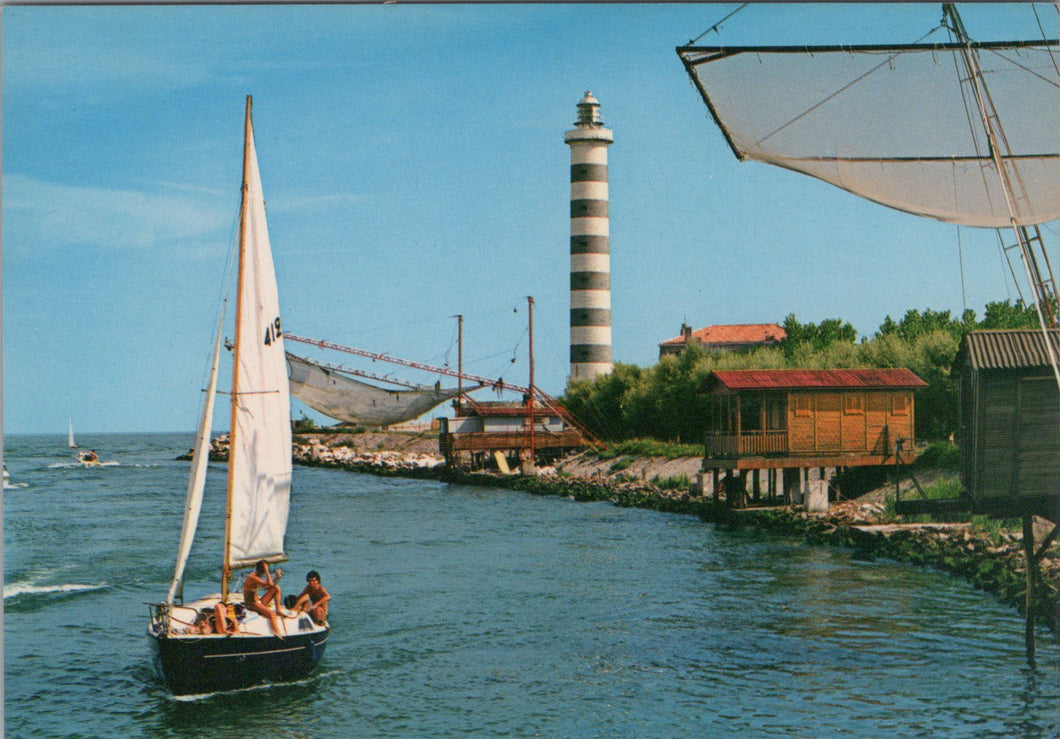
[745, 333]
[1007, 348]
[822, 378]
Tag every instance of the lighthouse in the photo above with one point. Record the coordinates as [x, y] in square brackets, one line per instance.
[590, 244]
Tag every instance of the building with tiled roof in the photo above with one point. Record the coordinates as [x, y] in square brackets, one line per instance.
[735, 337]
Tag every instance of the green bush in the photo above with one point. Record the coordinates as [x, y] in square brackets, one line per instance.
[680, 482]
[940, 454]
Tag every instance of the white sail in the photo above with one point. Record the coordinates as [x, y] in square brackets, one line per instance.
[352, 401]
[70, 436]
[197, 478]
[260, 453]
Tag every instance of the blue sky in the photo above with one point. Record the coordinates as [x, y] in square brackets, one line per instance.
[414, 168]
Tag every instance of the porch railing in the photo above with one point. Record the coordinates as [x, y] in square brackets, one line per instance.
[750, 443]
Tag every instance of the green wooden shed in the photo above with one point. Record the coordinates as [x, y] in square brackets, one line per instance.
[1009, 434]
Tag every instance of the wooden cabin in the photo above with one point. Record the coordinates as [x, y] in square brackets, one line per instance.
[801, 427]
[480, 431]
[1009, 435]
[818, 418]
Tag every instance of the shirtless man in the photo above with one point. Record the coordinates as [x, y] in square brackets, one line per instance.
[260, 578]
[314, 598]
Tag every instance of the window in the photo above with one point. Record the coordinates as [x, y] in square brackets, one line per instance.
[900, 405]
[750, 413]
[853, 404]
[776, 414]
[803, 404]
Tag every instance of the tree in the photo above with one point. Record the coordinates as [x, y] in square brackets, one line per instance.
[815, 336]
[1008, 315]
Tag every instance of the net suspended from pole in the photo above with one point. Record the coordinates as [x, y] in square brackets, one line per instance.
[343, 398]
[897, 124]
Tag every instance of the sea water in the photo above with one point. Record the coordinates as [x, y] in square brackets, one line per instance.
[462, 611]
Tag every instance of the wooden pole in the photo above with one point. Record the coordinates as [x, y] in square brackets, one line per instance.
[460, 358]
[530, 304]
[1032, 567]
[226, 567]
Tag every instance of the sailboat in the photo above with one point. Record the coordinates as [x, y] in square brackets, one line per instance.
[70, 436]
[258, 493]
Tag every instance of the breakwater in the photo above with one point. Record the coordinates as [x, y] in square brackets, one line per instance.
[992, 560]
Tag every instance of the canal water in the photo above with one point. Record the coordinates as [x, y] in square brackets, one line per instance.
[462, 611]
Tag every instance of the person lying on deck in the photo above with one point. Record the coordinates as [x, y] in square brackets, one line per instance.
[260, 578]
[314, 598]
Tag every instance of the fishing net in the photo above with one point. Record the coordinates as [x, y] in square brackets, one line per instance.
[899, 125]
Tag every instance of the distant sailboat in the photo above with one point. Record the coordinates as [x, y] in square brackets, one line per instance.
[258, 491]
[70, 437]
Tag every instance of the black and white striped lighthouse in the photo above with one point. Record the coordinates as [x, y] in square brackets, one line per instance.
[590, 244]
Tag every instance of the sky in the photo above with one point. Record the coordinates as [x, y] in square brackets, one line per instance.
[414, 168]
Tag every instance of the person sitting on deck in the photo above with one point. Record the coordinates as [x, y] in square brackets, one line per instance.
[260, 578]
[203, 624]
[314, 598]
[224, 621]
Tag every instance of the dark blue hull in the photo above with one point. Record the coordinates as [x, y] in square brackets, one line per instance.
[196, 665]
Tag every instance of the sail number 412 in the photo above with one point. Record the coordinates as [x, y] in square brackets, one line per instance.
[273, 332]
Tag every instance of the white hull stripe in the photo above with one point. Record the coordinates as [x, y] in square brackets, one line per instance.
[267, 651]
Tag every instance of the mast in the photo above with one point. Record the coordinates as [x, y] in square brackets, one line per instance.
[996, 138]
[226, 570]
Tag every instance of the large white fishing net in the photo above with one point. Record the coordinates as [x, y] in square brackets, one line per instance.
[897, 125]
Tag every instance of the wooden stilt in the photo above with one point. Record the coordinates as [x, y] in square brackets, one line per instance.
[1032, 568]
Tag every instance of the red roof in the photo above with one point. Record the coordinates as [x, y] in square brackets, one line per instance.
[822, 378]
[746, 333]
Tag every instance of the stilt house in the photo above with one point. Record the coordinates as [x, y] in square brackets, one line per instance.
[481, 431]
[1009, 435]
[798, 420]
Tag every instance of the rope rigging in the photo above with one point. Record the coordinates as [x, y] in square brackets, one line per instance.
[716, 26]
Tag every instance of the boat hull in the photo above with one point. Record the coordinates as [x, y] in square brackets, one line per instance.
[211, 664]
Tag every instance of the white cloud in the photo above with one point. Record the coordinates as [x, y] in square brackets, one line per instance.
[46, 215]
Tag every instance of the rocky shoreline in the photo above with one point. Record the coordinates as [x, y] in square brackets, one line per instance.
[992, 561]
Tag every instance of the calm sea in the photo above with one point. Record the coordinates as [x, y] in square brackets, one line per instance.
[461, 612]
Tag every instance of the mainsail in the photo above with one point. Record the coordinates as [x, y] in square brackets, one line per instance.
[896, 124]
[343, 398]
[259, 468]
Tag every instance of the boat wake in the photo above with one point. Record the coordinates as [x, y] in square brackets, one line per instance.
[250, 688]
[30, 589]
[15, 485]
[78, 465]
